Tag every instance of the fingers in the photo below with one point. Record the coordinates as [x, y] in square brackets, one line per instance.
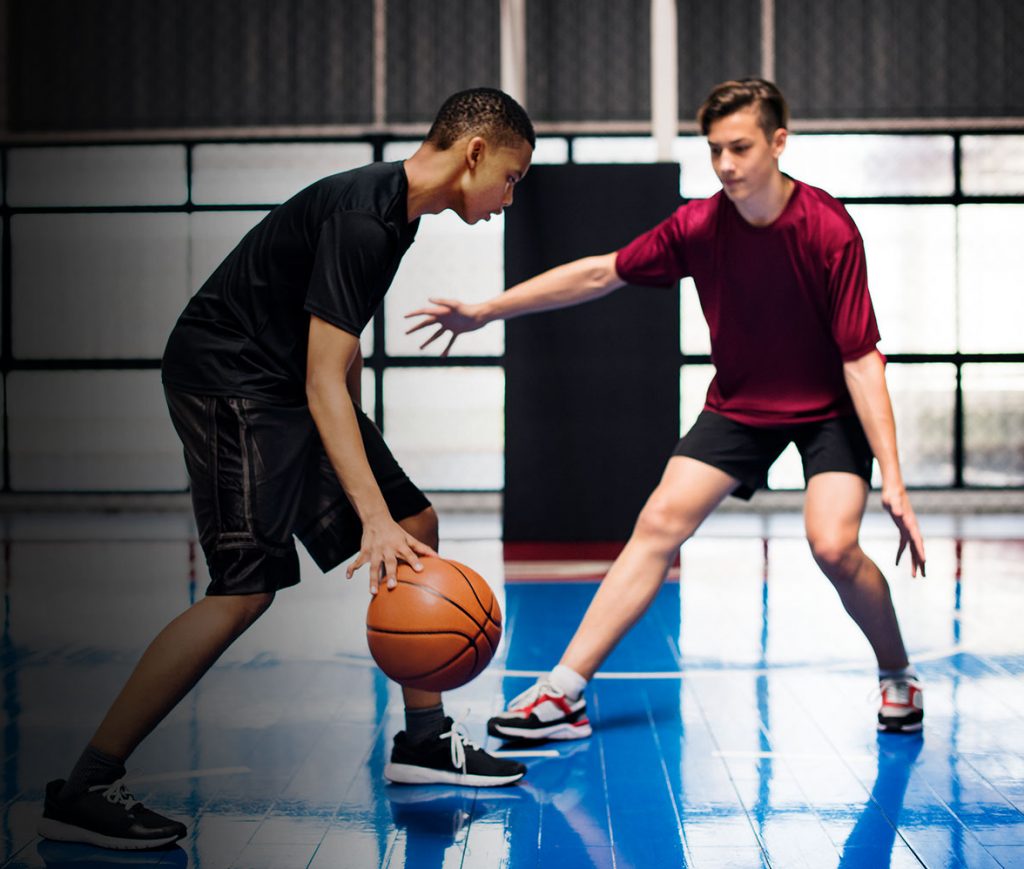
[421, 548]
[449, 347]
[903, 546]
[391, 569]
[360, 560]
[409, 556]
[432, 338]
[430, 321]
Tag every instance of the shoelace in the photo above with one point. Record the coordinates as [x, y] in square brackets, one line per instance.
[459, 739]
[531, 694]
[118, 794]
[900, 689]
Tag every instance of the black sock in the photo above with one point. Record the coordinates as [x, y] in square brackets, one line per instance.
[423, 723]
[94, 767]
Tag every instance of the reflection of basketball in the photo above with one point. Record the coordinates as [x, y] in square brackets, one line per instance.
[436, 629]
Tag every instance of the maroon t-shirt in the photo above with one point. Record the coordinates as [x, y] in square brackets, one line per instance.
[786, 304]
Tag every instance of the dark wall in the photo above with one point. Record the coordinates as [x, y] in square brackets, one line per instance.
[591, 392]
[115, 64]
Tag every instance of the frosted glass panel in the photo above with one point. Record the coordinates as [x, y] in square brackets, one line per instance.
[551, 150]
[91, 431]
[695, 337]
[239, 174]
[872, 165]
[911, 254]
[368, 399]
[400, 150]
[102, 286]
[614, 149]
[788, 470]
[698, 180]
[991, 264]
[694, 381]
[992, 165]
[452, 260]
[447, 426]
[993, 424]
[923, 400]
[94, 175]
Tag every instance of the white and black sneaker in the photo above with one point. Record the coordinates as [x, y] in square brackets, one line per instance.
[542, 712]
[902, 709]
[449, 758]
[107, 816]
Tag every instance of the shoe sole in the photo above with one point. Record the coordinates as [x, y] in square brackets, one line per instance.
[406, 774]
[901, 728]
[555, 731]
[58, 831]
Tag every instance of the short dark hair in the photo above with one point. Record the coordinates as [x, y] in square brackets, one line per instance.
[485, 112]
[731, 96]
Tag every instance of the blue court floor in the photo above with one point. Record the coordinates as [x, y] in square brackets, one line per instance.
[733, 727]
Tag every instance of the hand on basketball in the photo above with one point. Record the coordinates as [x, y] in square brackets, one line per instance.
[449, 315]
[898, 504]
[384, 544]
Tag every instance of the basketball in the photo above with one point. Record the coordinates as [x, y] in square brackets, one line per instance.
[437, 629]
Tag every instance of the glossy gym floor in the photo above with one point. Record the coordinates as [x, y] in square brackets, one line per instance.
[733, 727]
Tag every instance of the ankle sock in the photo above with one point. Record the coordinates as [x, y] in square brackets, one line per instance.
[423, 723]
[907, 672]
[568, 681]
[94, 768]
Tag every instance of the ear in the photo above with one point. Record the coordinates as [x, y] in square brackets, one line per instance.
[779, 138]
[476, 147]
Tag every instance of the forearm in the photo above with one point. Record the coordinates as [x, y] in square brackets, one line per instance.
[865, 380]
[570, 284]
[330, 404]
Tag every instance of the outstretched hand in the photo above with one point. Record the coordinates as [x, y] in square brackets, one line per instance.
[384, 544]
[897, 504]
[449, 315]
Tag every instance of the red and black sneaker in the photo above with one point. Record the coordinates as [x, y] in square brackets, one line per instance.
[902, 709]
[542, 712]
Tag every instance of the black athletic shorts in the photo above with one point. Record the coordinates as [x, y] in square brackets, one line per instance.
[259, 475]
[746, 452]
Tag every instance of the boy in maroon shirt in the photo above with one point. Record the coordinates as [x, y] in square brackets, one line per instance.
[780, 272]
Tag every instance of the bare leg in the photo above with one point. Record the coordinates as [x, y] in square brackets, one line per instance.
[422, 526]
[833, 511]
[181, 653]
[689, 490]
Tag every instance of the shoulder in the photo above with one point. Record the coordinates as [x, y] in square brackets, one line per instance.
[825, 215]
[696, 217]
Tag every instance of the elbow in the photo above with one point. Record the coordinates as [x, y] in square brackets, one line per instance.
[601, 274]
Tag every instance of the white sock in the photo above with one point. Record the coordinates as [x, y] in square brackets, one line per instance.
[907, 672]
[568, 681]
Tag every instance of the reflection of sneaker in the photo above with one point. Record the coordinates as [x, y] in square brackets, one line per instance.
[542, 712]
[67, 855]
[448, 759]
[902, 709]
[107, 816]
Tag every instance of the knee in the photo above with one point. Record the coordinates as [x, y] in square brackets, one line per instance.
[246, 608]
[663, 524]
[838, 555]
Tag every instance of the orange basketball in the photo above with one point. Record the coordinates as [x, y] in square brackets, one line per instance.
[436, 630]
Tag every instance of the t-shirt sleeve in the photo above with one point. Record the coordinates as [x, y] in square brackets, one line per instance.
[853, 316]
[657, 258]
[352, 269]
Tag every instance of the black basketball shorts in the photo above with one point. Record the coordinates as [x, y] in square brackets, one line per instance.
[259, 475]
[746, 452]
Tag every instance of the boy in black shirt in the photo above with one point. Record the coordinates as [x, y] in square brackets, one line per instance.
[261, 374]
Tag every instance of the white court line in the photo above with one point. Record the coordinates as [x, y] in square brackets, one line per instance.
[192, 773]
[539, 752]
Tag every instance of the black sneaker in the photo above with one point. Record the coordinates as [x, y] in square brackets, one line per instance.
[448, 759]
[107, 816]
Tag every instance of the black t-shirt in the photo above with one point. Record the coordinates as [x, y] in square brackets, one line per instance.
[331, 250]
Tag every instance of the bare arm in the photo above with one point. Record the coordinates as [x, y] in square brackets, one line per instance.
[354, 377]
[331, 354]
[865, 379]
[570, 284]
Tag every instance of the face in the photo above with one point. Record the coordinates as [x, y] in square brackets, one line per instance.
[492, 173]
[743, 157]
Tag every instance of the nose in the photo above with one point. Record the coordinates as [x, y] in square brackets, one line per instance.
[507, 199]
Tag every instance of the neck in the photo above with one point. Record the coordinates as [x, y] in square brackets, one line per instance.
[431, 177]
[765, 208]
